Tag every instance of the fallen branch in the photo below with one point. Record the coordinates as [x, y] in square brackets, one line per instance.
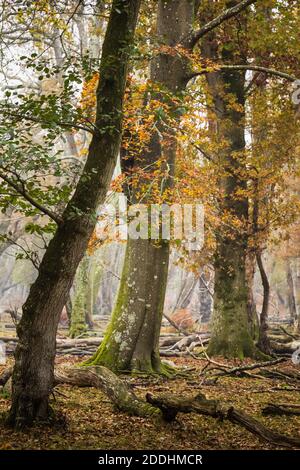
[5, 376]
[125, 400]
[289, 334]
[104, 379]
[175, 325]
[281, 409]
[170, 406]
[242, 369]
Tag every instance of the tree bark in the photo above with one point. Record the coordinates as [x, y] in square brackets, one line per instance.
[131, 340]
[35, 353]
[231, 336]
[231, 331]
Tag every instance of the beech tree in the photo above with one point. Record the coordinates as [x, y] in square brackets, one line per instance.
[34, 357]
[131, 340]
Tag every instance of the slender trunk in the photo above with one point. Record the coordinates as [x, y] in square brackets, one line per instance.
[131, 340]
[263, 340]
[92, 289]
[35, 353]
[291, 292]
[205, 299]
[78, 324]
[251, 305]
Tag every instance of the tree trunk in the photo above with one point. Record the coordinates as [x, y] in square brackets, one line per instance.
[131, 340]
[35, 353]
[251, 305]
[231, 335]
[291, 292]
[78, 324]
[263, 340]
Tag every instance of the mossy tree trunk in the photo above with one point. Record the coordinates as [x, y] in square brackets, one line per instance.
[131, 340]
[35, 353]
[79, 306]
[231, 335]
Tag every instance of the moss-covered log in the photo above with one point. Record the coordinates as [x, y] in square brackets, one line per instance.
[116, 389]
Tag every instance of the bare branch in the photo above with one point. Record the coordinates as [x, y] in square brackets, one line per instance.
[69, 125]
[20, 189]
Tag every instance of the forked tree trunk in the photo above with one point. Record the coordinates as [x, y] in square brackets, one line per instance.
[35, 353]
[131, 340]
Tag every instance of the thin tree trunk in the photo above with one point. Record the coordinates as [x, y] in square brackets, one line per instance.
[263, 340]
[35, 353]
[251, 305]
[78, 324]
[291, 292]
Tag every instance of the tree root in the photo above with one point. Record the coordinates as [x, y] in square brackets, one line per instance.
[170, 406]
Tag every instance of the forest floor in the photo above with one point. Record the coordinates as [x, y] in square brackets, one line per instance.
[88, 420]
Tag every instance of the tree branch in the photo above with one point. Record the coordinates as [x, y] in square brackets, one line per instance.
[256, 68]
[20, 189]
[68, 125]
[225, 15]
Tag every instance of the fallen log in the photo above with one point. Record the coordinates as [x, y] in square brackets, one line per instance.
[5, 376]
[171, 405]
[281, 409]
[185, 343]
[167, 407]
[275, 374]
[115, 388]
[296, 338]
[287, 348]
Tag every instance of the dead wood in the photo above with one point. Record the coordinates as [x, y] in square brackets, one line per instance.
[121, 395]
[243, 370]
[281, 409]
[5, 376]
[171, 405]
